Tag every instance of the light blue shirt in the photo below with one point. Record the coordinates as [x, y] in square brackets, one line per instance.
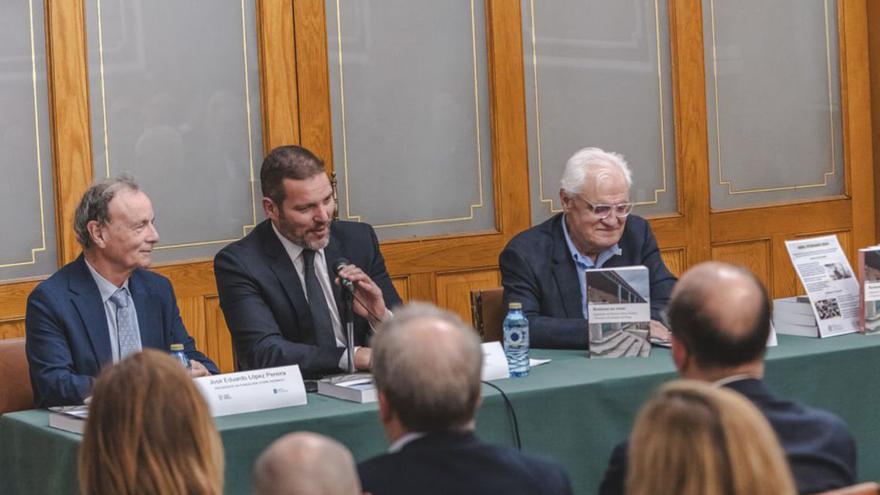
[107, 289]
[582, 263]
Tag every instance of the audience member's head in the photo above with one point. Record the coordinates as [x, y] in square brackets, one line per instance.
[693, 439]
[306, 464]
[149, 431]
[719, 315]
[427, 365]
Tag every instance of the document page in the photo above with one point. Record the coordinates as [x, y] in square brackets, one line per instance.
[828, 279]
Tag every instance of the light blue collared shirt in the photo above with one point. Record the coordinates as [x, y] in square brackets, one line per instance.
[583, 263]
[107, 289]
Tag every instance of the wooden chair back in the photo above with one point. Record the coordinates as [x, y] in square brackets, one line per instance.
[487, 307]
[15, 382]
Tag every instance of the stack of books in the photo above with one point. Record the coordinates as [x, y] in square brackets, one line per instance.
[794, 316]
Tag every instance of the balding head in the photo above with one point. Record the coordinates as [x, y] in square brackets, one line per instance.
[720, 313]
[427, 365]
[306, 464]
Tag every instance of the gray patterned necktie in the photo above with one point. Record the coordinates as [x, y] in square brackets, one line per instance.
[321, 321]
[126, 323]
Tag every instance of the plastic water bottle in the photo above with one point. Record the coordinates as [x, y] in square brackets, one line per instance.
[178, 354]
[516, 340]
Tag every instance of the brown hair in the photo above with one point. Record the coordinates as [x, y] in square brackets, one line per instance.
[693, 438]
[287, 162]
[149, 431]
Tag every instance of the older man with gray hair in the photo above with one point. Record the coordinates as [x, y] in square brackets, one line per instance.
[427, 365]
[543, 268]
[105, 304]
[306, 464]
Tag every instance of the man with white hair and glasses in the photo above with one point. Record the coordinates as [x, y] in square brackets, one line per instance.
[543, 268]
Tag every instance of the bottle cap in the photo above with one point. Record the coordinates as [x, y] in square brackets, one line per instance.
[515, 305]
[176, 347]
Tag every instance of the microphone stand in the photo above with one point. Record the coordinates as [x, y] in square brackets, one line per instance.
[348, 320]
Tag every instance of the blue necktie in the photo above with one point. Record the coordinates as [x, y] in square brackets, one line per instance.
[126, 323]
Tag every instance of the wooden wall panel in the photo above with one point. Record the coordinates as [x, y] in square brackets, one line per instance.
[454, 289]
[754, 255]
[873, 14]
[218, 342]
[402, 286]
[69, 106]
[11, 329]
[192, 311]
[675, 259]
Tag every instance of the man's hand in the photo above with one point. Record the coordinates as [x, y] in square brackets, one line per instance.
[368, 301]
[658, 332]
[198, 369]
[363, 358]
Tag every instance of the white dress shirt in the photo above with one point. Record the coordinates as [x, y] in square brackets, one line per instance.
[295, 254]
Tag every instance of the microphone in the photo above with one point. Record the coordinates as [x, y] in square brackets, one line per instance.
[337, 267]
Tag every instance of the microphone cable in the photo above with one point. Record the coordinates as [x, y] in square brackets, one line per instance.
[511, 412]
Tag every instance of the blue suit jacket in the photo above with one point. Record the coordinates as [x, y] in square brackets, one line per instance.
[68, 341]
[265, 305]
[820, 449]
[537, 270]
[448, 462]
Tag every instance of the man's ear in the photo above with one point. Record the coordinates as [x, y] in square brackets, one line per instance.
[96, 233]
[565, 200]
[680, 356]
[270, 209]
[385, 413]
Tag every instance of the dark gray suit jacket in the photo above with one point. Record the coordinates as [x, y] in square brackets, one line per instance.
[538, 271]
[820, 449]
[446, 463]
[265, 304]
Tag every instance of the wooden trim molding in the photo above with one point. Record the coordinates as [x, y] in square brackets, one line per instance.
[278, 92]
[69, 107]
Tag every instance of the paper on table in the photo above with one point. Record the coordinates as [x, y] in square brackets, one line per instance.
[538, 362]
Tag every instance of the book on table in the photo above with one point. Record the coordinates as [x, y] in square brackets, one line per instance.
[794, 316]
[355, 387]
[69, 418]
[619, 312]
[869, 288]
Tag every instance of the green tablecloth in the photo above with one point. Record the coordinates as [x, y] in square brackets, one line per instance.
[572, 409]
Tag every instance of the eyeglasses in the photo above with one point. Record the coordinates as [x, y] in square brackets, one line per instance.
[604, 210]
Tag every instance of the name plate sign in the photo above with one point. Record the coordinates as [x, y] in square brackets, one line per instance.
[494, 362]
[255, 390]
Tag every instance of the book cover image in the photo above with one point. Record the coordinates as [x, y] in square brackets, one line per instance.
[870, 297]
[619, 312]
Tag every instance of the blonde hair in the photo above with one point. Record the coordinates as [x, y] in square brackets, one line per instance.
[693, 438]
[149, 431]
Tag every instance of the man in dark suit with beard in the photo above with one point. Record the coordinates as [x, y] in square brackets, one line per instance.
[720, 320]
[427, 367]
[278, 287]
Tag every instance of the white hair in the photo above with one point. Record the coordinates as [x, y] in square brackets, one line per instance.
[587, 160]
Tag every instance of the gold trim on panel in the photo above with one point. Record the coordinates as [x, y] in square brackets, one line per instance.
[245, 228]
[657, 192]
[42, 248]
[472, 207]
[731, 187]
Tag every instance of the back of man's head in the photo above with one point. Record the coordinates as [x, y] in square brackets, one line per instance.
[427, 365]
[720, 313]
[306, 464]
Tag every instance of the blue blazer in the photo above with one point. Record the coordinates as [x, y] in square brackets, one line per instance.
[68, 341]
[537, 270]
[449, 462]
[265, 305]
[819, 446]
